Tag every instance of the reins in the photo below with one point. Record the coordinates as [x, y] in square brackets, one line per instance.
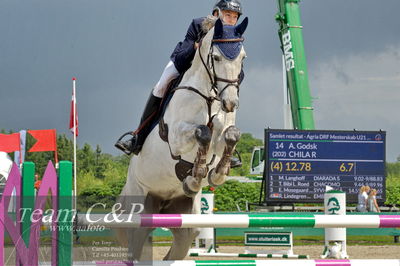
[214, 79]
[213, 76]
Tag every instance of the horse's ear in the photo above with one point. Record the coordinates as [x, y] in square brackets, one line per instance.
[241, 28]
[218, 29]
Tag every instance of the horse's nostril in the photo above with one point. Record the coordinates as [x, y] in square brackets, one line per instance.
[226, 106]
[229, 106]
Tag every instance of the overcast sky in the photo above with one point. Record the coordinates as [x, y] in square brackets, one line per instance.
[117, 49]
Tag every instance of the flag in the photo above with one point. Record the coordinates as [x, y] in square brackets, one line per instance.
[72, 125]
[46, 140]
[9, 142]
[19, 156]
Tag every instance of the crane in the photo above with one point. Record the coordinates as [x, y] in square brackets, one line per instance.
[297, 94]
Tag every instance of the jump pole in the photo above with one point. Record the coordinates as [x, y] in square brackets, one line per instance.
[240, 220]
[249, 255]
[372, 262]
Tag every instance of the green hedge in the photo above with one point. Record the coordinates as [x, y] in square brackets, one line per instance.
[234, 193]
[393, 195]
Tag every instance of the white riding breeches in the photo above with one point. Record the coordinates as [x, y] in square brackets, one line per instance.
[167, 76]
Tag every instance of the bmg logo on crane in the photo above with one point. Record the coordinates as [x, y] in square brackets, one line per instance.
[287, 48]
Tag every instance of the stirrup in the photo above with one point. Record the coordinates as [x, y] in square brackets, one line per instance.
[236, 162]
[126, 146]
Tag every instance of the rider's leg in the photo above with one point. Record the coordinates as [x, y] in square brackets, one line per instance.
[150, 112]
[131, 145]
[134, 145]
[170, 73]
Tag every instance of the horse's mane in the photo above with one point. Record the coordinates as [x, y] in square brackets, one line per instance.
[208, 23]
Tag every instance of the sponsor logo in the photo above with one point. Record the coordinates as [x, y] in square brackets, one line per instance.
[287, 48]
[204, 206]
[333, 205]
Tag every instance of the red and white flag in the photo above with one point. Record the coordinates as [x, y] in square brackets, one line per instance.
[73, 123]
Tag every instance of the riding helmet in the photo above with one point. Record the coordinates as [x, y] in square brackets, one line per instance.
[233, 5]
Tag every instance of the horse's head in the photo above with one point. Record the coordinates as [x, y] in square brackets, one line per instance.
[224, 46]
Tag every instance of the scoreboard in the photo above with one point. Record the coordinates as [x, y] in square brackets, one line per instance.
[299, 164]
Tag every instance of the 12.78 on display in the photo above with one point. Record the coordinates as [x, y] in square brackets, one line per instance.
[279, 167]
[290, 167]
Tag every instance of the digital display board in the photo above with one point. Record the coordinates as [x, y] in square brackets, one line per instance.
[301, 163]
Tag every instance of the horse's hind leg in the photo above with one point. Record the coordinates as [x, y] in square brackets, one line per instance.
[192, 184]
[217, 176]
[136, 239]
[183, 239]
[139, 244]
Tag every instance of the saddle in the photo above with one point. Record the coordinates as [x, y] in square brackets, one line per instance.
[164, 102]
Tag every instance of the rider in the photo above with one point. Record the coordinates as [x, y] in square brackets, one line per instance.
[181, 58]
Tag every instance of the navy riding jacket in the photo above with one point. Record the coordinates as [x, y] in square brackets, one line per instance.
[184, 52]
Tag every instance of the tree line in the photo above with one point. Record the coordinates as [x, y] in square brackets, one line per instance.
[101, 176]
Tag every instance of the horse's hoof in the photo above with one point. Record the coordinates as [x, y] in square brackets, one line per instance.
[232, 135]
[210, 182]
[203, 135]
[188, 192]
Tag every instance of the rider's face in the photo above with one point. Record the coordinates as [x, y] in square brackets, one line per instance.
[230, 17]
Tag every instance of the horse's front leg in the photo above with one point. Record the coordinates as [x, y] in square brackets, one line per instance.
[217, 175]
[192, 184]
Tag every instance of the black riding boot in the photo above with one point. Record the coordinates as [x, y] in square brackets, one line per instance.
[134, 144]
